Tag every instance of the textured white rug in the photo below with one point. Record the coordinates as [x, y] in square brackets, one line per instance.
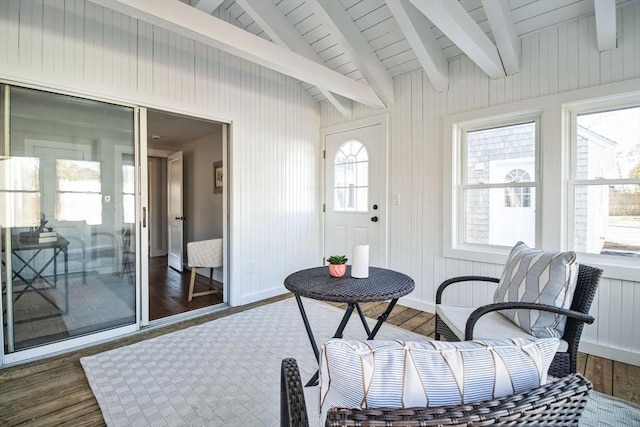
[94, 304]
[227, 372]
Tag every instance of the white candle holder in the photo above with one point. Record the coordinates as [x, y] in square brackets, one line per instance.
[360, 262]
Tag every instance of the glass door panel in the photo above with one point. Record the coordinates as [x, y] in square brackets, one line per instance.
[67, 221]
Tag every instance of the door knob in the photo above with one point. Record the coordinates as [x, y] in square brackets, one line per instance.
[374, 219]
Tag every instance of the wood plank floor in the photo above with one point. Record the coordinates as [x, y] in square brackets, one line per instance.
[169, 289]
[55, 391]
[609, 377]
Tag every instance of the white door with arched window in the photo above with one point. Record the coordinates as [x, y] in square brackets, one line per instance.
[355, 196]
[514, 206]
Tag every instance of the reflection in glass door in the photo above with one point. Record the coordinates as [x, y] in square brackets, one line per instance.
[67, 217]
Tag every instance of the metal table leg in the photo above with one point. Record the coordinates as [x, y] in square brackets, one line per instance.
[363, 319]
[305, 320]
[382, 318]
[343, 324]
[339, 332]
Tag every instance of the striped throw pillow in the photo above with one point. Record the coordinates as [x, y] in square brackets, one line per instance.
[545, 277]
[397, 374]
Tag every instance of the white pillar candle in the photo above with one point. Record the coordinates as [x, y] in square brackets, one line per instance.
[360, 262]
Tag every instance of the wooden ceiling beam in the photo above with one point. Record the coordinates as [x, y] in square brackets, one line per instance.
[189, 22]
[417, 29]
[282, 32]
[605, 24]
[333, 15]
[504, 32]
[207, 6]
[451, 18]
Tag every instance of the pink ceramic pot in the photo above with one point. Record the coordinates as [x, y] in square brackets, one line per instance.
[337, 270]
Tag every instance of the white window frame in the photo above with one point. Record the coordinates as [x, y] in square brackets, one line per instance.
[454, 245]
[59, 193]
[554, 166]
[615, 266]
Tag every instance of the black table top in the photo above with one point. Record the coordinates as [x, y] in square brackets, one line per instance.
[19, 245]
[381, 285]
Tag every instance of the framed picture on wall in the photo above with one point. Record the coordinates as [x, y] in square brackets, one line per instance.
[217, 177]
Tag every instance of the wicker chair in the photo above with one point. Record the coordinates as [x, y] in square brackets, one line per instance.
[565, 362]
[559, 402]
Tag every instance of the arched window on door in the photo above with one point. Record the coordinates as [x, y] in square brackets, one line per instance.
[351, 177]
[517, 197]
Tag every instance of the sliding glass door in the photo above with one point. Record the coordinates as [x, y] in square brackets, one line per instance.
[67, 218]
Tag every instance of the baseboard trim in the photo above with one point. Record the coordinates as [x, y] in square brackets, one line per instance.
[259, 296]
[617, 354]
[417, 305]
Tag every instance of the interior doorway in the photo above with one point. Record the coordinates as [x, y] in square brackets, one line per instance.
[202, 144]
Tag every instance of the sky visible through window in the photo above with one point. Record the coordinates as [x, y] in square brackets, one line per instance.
[621, 126]
[620, 225]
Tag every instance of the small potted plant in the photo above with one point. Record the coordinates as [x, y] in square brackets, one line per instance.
[337, 265]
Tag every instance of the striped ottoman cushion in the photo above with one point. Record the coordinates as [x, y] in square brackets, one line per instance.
[397, 374]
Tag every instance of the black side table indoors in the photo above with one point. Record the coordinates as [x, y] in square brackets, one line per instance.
[317, 283]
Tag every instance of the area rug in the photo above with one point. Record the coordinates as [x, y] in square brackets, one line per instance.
[227, 372]
[94, 303]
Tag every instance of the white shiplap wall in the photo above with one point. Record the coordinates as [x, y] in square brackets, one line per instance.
[555, 60]
[84, 48]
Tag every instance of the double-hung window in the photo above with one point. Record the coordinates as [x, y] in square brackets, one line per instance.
[128, 192]
[79, 186]
[497, 183]
[604, 187]
[19, 191]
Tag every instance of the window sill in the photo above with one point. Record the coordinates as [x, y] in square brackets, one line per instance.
[614, 267]
[620, 268]
[478, 253]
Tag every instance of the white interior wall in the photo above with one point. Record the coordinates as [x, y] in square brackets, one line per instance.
[157, 171]
[556, 60]
[86, 49]
[202, 208]
[83, 48]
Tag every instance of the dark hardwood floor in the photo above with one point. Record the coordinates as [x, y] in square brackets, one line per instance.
[168, 290]
[55, 391]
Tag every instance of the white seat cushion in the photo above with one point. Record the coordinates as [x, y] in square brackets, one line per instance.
[490, 326]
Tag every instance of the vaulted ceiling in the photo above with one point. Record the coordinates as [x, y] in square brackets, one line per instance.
[350, 50]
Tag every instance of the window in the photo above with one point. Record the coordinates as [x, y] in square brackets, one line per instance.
[605, 182]
[128, 193]
[518, 197]
[497, 184]
[78, 196]
[562, 175]
[19, 191]
[351, 178]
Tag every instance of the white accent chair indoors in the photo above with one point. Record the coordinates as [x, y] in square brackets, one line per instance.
[203, 254]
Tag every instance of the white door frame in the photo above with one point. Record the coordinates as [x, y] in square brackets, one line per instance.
[175, 206]
[142, 273]
[379, 119]
[142, 218]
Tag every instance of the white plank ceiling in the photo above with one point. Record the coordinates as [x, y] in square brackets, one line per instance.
[361, 39]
